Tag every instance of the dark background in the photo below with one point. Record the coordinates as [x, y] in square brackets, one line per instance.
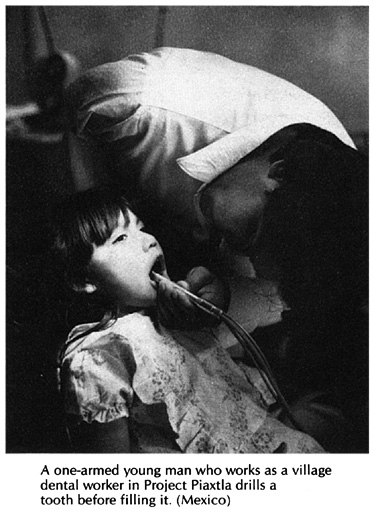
[324, 50]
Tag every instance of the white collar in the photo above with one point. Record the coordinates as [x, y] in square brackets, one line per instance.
[211, 161]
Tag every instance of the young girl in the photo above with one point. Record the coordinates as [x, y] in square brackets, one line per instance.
[130, 385]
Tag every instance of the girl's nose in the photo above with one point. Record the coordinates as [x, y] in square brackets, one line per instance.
[148, 241]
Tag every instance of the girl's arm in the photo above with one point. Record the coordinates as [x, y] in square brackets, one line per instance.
[112, 437]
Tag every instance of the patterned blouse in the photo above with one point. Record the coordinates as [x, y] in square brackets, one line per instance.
[182, 392]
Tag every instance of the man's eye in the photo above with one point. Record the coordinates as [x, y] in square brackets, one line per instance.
[120, 238]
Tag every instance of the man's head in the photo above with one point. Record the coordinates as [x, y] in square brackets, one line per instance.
[297, 205]
[233, 203]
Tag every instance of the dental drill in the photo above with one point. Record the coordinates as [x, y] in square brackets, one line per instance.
[248, 343]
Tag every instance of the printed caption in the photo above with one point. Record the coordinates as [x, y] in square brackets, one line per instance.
[167, 486]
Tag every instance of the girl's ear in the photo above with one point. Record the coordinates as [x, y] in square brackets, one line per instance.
[87, 287]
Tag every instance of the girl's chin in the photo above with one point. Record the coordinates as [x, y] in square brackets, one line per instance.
[140, 306]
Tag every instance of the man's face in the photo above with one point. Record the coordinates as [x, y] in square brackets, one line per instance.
[233, 204]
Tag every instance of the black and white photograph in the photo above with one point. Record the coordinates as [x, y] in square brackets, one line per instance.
[187, 230]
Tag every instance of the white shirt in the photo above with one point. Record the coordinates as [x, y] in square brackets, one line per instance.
[174, 111]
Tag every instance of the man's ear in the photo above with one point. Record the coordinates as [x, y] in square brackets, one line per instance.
[277, 170]
[87, 287]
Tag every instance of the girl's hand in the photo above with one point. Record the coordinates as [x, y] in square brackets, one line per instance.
[177, 311]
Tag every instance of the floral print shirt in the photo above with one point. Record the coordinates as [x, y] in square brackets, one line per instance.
[182, 392]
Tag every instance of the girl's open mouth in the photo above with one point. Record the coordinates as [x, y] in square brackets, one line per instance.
[158, 267]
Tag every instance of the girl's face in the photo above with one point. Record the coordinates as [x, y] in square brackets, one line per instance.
[122, 265]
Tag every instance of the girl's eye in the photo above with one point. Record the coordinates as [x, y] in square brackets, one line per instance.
[120, 238]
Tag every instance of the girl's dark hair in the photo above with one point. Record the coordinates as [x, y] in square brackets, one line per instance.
[85, 219]
[81, 221]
